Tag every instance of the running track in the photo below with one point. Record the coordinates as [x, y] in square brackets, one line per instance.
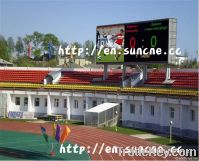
[88, 136]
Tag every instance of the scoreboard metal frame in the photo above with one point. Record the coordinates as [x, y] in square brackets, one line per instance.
[166, 38]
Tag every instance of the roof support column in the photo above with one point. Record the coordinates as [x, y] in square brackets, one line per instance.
[68, 107]
[9, 102]
[49, 105]
[30, 109]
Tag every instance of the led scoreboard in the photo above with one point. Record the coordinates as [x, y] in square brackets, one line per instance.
[137, 42]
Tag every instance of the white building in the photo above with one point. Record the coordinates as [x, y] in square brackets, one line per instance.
[149, 112]
[181, 59]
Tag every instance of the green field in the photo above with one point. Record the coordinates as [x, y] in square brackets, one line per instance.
[109, 58]
[23, 146]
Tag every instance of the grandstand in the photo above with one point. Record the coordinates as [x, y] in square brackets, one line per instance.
[148, 105]
[28, 76]
[181, 79]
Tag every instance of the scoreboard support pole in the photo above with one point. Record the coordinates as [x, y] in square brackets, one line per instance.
[144, 73]
[105, 71]
[168, 73]
[123, 72]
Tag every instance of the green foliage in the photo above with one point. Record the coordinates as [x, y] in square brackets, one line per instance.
[50, 38]
[190, 64]
[157, 66]
[11, 44]
[37, 39]
[27, 39]
[89, 45]
[50, 63]
[77, 45]
[4, 50]
[19, 45]
[23, 61]
[37, 53]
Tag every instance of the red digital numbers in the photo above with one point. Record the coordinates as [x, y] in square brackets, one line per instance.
[132, 42]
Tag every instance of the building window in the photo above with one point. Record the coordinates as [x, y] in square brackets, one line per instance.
[193, 115]
[17, 101]
[94, 103]
[172, 113]
[120, 107]
[37, 102]
[45, 103]
[132, 108]
[84, 104]
[25, 103]
[56, 102]
[65, 103]
[76, 103]
[140, 109]
[152, 110]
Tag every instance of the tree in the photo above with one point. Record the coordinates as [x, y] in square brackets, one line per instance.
[27, 39]
[19, 45]
[4, 50]
[191, 63]
[88, 48]
[24, 61]
[37, 39]
[77, 45]
[186, 53]
[37, 53]
[11, 44]
[50, 38]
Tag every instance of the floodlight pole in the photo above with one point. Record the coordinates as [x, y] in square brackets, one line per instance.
[170, 138]
[98, 119]
[84, 117]
[116, 115]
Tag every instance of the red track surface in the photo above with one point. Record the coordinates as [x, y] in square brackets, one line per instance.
[87, 136]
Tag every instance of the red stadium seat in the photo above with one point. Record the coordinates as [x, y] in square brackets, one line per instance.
[29, 76]
[182, 79]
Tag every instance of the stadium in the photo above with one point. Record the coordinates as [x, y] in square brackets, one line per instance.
[124, 96]
[74, 91]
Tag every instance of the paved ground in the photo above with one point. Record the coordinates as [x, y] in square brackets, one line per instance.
[145, 136]
[90, 137]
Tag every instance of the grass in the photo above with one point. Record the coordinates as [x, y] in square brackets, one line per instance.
[124, 130]
[177, 142]
[62, 122]
[163, 140]
[174, 142]
[16, 120]
[110, 57]
[69, 122]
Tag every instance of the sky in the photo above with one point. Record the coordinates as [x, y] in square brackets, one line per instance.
[76, 20]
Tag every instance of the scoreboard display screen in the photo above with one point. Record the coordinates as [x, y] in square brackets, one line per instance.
[136, 42]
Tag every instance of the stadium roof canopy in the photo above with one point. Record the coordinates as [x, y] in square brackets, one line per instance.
[5, 63]
[102, 107]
